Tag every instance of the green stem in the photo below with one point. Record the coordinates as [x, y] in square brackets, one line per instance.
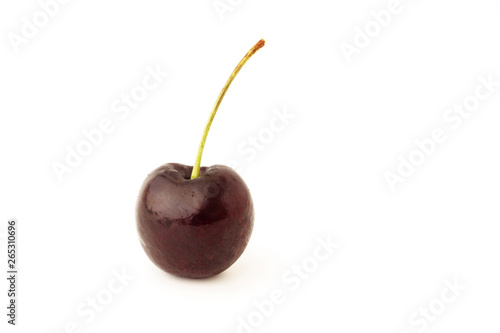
[255, 48]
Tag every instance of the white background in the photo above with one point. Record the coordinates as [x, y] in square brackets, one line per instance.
[321, 176]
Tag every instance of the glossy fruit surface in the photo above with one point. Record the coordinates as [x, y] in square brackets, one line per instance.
[194, 228]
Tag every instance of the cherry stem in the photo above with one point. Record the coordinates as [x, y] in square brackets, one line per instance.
[255, 48]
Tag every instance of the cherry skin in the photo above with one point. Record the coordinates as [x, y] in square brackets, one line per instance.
[194, 228]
